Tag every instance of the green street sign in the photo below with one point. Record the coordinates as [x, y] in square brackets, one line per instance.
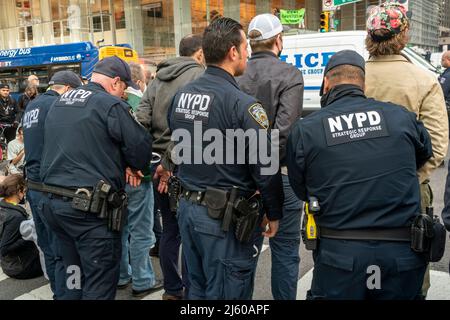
[337, 3]
[292, 16]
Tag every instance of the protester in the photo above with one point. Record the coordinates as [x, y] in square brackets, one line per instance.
[18, 258]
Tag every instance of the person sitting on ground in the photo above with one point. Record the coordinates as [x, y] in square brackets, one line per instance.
[16, 153]
[18, 258]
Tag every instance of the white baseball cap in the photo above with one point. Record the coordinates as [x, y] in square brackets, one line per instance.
[267, 24]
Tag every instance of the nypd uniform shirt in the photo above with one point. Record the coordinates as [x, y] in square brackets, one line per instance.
[444, 80]
[359, 158]
[33, 131]
[90, 135]
[206, 110]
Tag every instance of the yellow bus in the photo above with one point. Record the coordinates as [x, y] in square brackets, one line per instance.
[123, 52]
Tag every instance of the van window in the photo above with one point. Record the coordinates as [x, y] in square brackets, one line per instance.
[411, 54]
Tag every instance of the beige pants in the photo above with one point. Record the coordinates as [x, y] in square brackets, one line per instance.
[426, 199]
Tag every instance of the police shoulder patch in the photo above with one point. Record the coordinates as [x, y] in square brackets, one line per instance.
[258, 113]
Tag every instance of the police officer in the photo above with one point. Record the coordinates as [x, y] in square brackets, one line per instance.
[90, 140]
[220, 266]
[33, 131]
[359, 158]
[8, 112]
[444, 80]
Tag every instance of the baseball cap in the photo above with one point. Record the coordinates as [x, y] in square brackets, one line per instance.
[267, 24]
[4, 86]
[115, 67]
[67, 78]
[391, 17]
[344, 57]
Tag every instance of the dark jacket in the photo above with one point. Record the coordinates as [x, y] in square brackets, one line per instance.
[359, 157]
[215, 101]
[18, 258]
[8, 110]
[444, 80]
[22, 103]
[90, 135]
[33, 132]
[172, 74]
[279, 87]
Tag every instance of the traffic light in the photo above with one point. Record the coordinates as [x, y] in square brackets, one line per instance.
[324, 21]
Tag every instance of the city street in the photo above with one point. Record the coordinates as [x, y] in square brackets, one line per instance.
[38, 289]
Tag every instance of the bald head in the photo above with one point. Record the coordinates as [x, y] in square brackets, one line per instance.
[446, 59]
[113, 86]
[33, 80]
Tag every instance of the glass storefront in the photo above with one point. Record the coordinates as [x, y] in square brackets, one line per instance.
[151, 27]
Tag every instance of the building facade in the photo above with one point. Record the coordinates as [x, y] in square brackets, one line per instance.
[425, 24]
[444, 26]
[154, 27]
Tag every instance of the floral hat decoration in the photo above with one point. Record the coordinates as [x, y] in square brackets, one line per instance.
[390, 17]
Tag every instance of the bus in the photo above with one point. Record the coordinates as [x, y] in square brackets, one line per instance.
[17, 64]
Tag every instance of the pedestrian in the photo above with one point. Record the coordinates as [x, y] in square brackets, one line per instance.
[92, 147]
[221, 254]
[19, 258]
[33, 80]
[279, 87]
[390, 77]
[29, 94]
[171, 75]
[137, 234]
[8, 113]
[358, 158]
[16, 153]
[33, 135]
[444, 80]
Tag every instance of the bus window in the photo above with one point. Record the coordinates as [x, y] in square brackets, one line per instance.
[61, 67]
[40, 72]
[11, 78]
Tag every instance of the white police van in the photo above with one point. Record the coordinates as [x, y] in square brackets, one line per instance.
[311, 52]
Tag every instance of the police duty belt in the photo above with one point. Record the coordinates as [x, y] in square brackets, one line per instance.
[80, 193]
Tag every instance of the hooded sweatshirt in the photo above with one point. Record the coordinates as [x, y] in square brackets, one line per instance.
[171, 75]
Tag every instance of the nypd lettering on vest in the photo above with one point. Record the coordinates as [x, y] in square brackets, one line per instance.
[30, 118]
[193, 107]
[76, 98]
[353, 127]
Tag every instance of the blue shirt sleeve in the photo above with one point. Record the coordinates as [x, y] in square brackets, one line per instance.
[134, 140]
[265, 170]
[295, 158]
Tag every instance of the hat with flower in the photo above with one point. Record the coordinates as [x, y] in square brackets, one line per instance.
[386, 20]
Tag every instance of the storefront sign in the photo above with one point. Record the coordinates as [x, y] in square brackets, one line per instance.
[292, 16]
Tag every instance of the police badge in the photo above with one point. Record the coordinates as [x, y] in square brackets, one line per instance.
[258, 113]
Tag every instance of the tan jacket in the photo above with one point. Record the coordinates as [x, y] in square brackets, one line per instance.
[394, 79]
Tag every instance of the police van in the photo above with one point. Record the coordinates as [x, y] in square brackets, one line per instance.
[311, 52]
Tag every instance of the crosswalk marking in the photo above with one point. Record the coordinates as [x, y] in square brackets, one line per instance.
[2, 275]
[45, 293]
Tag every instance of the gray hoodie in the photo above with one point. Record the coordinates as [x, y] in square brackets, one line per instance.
[171, 75]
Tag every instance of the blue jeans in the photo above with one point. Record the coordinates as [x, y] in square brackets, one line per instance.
[137, 238]
[285, 247]
[90, 252]
[219, 266]
[46, 241]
